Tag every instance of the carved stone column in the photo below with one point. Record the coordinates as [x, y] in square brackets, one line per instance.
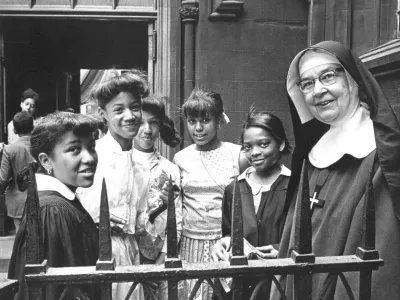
[189, 13]
[316, 22]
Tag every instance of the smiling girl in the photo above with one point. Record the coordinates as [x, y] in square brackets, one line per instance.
[119, 100]
[63, 145]
[155, 124]
[207, 167]
[261, 189]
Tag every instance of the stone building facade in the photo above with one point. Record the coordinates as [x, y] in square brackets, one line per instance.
[241, 49]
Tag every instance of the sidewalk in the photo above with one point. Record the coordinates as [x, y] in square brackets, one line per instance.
[6, 244]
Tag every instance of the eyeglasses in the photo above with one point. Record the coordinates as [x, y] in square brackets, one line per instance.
[326, 78]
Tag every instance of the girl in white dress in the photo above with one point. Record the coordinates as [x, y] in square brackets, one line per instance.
[119, 100]
[206, 167]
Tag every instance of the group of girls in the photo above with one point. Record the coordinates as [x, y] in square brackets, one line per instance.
[71, 168]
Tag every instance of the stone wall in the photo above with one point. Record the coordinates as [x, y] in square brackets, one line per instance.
[359, 24]
[246, 60]
[390, 85]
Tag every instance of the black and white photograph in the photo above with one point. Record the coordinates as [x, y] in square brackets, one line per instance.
[199, 149]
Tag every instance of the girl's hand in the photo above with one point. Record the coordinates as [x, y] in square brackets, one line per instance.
[219, 251]
[266, 252]
[161, 258]
[164, 191]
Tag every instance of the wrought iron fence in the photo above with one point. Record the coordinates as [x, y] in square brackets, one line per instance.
[301, 265]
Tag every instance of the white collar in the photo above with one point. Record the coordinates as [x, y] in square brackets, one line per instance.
[257, 188]
[49, 183]
[355, 137]
[145, 155]
[284, 171]
[113, 145]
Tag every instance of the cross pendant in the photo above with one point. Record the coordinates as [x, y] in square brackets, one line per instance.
[315, 201]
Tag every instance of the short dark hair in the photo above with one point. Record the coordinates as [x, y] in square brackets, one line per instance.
[50, 129]
[268, 122]
[156, 105]
[70, 109]
[29, 93]
[132, 81]
[202, 103]
[23, 122]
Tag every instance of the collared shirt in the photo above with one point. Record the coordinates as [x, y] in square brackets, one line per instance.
[258, 189]
[126, 182]
[49, 183]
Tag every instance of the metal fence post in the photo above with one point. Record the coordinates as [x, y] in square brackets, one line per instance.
[172, 260]
[367, 250]
[302, 252]
[35, 262]
[105, 262]
[238, 257]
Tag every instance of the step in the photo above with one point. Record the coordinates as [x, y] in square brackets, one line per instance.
[6, 245]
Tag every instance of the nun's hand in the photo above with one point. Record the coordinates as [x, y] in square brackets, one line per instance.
[266, 252]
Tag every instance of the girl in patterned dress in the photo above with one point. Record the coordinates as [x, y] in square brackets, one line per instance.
[153, 242]
[206, 167]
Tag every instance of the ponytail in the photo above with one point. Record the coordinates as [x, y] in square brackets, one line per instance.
[169, 135]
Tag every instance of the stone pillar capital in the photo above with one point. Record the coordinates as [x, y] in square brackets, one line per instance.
[189, 11]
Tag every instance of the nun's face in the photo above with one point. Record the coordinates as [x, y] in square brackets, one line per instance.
[329, 104]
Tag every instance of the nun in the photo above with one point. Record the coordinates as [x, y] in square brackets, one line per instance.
[344, 131]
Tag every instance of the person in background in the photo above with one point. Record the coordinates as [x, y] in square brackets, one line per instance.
[63, 146]
[261, 188]
[119, 99]
[15, 157]
[70, 109]
[153, 243]
[346, 133]
[29, 101]
[206, 167]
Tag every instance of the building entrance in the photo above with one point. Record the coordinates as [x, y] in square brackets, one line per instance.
[48, 54]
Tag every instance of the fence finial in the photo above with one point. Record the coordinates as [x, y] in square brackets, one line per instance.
[35, 254]
[238, 257]
[105, 261]
[302, 228]
[367, 251]
[35, 262]
[172, 260]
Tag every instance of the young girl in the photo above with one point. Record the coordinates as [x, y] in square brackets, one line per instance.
[63, 145]
[207, 167]
[119, 100]
[155, 124]
[261, 189]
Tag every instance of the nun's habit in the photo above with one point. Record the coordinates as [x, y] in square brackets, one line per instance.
[339, 158]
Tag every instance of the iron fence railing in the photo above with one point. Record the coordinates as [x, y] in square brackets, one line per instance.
[302, 263]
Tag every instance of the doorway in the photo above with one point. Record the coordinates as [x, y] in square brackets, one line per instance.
[48, 54]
